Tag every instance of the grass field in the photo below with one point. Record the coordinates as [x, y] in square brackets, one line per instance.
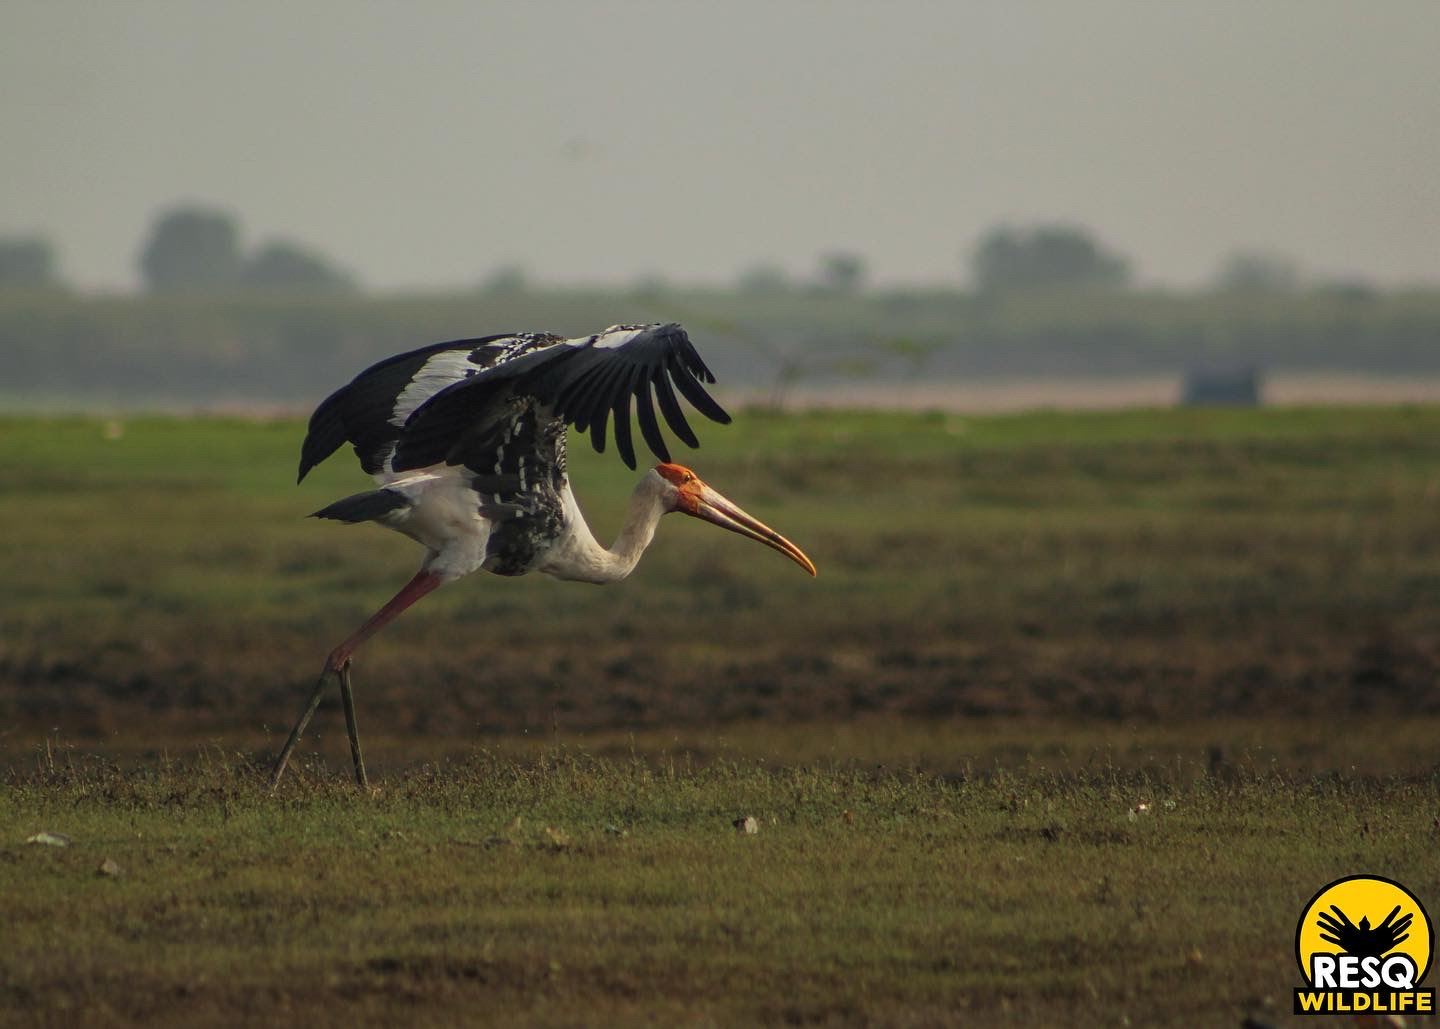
[1024, 628]
[570, 890]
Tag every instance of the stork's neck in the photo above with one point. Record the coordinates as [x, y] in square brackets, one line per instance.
[579, 557]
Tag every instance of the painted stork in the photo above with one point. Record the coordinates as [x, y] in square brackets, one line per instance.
[467, 442]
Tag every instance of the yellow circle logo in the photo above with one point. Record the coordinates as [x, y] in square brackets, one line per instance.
[1364, 932]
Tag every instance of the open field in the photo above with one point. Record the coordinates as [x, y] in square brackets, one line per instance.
[1153, 565]
[569, 890]
[1024, 627]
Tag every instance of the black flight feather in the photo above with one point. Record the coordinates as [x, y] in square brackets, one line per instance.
[674, 417]
[623, 444]
[450, 405]
[696, 394]
[649, 428]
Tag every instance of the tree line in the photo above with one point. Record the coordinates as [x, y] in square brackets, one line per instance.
[197, 249]
[191, 250]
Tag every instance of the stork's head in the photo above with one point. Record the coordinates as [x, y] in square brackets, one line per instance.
[685, 493]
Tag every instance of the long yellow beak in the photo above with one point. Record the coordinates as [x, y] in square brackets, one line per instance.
[716, 510]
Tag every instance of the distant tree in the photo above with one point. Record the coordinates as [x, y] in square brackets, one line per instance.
[1352, 289]
[1258, 272]
[1045, 257]
[507, 280]
[282, 265]
[914, 351]
[27, 262]
[649, 287]
[190, 249]
[763, 280]
[842, 272]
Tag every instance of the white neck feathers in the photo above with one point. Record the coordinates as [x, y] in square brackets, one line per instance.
[578, 557]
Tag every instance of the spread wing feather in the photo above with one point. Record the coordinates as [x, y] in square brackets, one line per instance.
[645, 414]
[359, 412]
[423, 407]
[674, 416]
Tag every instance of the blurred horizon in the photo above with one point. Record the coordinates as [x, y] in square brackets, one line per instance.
[433, 148]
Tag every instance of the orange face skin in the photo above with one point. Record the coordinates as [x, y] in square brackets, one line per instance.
[693, 497]
[686, 482]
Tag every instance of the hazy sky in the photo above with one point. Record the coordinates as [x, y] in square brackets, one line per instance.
[425, 144]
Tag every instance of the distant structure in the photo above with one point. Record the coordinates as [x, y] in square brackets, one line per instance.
[1235, 386]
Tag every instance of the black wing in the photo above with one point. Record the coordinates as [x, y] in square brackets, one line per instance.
[581, 382]
[370, 411]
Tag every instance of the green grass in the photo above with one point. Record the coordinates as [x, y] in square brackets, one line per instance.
[1024, 627]
[570, 889]
[1151, 564]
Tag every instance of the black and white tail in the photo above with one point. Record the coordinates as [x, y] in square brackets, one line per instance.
[370, 506]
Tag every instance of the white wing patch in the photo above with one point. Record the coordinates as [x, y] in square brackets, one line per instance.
[451, 366]
[618, 336]
[445, 368]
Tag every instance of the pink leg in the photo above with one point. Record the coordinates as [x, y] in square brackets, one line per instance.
[412, 591]
[338, 663]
